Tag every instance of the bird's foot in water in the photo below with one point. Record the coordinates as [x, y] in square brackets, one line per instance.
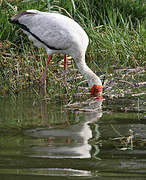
[42, 83]
[43, 87]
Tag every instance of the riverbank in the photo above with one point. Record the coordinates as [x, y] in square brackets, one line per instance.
[117, 40]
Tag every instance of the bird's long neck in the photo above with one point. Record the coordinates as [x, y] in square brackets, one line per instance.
[88, 74]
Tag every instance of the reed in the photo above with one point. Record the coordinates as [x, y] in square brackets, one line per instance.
[116, 29]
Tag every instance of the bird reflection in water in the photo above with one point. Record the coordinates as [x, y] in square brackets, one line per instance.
[71, 140]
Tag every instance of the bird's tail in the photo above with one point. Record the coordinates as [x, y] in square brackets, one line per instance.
[15, 19]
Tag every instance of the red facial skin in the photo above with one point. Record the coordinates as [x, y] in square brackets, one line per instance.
[96, 90]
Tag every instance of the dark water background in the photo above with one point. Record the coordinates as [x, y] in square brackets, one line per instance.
[45, 140]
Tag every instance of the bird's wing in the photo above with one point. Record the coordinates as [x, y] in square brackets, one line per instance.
[47, 28]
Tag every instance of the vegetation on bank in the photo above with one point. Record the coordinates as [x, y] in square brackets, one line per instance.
[117, 32]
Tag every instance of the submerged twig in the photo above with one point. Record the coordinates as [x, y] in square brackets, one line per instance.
[126, 142]
[123, 81]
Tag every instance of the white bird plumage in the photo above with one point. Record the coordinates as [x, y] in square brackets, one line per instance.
[58, 34]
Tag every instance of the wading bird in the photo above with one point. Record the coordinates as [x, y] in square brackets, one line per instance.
[58, 34]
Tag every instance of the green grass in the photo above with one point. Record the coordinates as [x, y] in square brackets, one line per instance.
[116, 28]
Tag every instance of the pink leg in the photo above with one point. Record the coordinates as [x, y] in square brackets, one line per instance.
[65, 66]
[45, 71]
[65, 63]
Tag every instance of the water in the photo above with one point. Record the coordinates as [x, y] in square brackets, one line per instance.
[44, 139]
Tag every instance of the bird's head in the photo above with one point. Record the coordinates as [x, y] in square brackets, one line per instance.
[96, 90]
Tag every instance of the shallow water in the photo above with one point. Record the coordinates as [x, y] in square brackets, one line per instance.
[43, 139]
